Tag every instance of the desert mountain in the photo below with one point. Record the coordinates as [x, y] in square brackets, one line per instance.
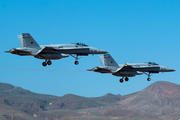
[73, 102]
[160, 98]
[20, 101]
[108, 98]
[159, 101]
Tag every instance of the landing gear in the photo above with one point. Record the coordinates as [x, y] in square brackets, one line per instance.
[149, 75]
[49, 62]
[126, 79]
[76, 57]
[148, 79]
[121, 80]
[76, 62]
[46, 63]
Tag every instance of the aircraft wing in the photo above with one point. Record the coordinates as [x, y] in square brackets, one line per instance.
[124, 67]
[111, 69]
[46, 49]
[73, 50]
[64, 50]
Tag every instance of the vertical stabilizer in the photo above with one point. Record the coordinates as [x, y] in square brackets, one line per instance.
[26, 40]
[20, 40]
[101, 58]
[109, 61]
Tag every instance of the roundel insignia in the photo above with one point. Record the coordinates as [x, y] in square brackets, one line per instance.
[30, 51]
[110, 69]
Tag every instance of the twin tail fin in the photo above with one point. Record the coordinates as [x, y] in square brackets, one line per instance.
[26, 40]
[107, 60]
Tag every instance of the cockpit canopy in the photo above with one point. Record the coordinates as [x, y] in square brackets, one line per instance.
[80, 44]
[152, 63]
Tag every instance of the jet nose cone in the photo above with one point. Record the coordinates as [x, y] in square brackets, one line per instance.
[172, 70]
[97, 51]
[166, 69]
[102, 51]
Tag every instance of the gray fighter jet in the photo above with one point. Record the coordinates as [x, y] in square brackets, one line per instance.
[109, 65]
[29, 47]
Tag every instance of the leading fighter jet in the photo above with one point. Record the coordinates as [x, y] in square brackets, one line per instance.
[29, 47]
[109, 65]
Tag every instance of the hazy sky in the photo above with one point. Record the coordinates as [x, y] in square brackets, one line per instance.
[133, 31]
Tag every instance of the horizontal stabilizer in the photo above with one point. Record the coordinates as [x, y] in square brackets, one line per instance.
[101, 70]
[7, 51]
[90, 70]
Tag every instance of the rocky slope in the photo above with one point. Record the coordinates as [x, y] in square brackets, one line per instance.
[159, 101]
[160, 98]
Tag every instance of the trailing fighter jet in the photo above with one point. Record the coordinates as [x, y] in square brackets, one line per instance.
[109, 65]
[29, 47]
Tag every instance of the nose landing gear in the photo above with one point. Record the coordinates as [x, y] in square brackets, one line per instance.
[76, 57]
[149, 75]
[76, 62]
[148, 79]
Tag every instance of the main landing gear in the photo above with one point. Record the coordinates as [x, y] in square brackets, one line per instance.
[76, 57]
[46, 63]
[126, 79]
